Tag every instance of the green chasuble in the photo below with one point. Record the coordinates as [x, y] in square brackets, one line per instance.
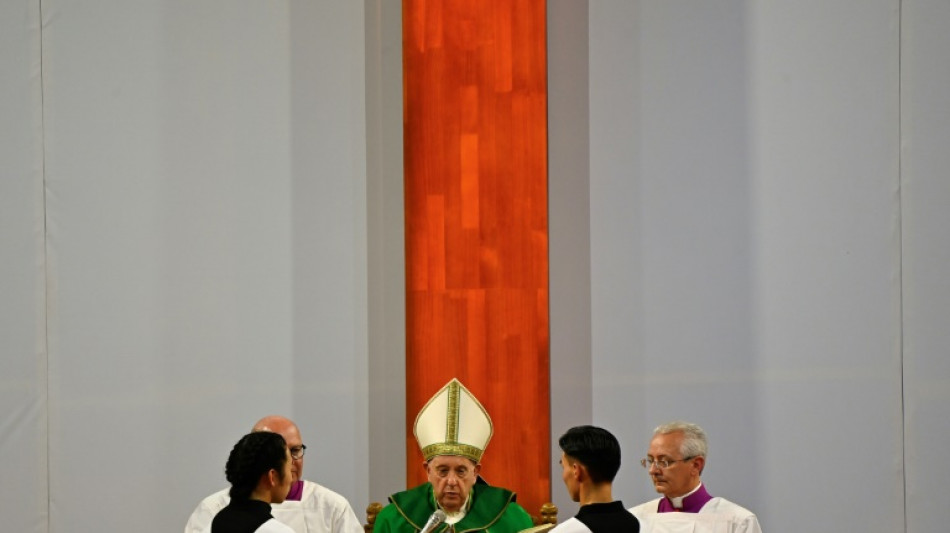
[493, 510]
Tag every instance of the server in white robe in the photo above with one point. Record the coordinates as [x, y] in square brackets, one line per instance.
[590, 459]
[675, 462]
[309, 506]
[259, 471]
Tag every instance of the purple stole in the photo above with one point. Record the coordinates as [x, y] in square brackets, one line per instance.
[296, 491]
[691, 504]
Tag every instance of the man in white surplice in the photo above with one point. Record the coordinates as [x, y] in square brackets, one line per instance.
[590, 459]
[675, 462]
[309, 507]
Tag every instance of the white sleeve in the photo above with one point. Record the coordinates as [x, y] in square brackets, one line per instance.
[571, 525]
[274, 526]
[345, 521]
[200, 520]
[749, 524]
[201, 517]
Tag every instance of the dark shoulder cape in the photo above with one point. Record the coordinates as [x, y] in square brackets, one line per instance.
[608, 518]
[241, 516]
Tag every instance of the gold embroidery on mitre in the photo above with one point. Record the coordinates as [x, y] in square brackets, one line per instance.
[440, 424]
[446, 448]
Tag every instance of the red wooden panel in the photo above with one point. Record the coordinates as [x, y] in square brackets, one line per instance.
[476, 225]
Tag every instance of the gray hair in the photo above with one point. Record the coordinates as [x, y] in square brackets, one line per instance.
[694, 438]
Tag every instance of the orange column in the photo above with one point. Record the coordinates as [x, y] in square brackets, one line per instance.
[476, 225]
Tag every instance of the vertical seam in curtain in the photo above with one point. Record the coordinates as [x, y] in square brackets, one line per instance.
[900, 248]
[46, 273]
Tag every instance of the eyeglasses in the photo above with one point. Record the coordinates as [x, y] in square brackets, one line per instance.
[297, 451]
[661, 463]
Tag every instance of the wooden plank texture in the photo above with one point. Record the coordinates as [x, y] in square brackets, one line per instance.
[476, 225]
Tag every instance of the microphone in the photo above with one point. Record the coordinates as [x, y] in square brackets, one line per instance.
[437, 518]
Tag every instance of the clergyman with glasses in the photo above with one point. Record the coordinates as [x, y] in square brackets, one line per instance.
[675, 463]
[308, 508]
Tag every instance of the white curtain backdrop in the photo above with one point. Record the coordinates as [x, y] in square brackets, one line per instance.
[184, 229]
[24, 493]
[925, 261]
[767, 187]
[755, 171]
[200, 224]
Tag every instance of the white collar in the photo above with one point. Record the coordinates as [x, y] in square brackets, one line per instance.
[454, 517]
[678, 501]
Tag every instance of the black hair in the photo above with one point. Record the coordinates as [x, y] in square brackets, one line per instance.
[595, 448]
[252, 457]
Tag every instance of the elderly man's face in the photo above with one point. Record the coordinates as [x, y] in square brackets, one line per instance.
[452, 478]
[682, 475]
[295, 444]
[288, 430]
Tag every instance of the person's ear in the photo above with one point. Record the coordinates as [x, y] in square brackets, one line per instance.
[699, 463]
[580, 471]
[269, 479]
[425, 466]
[477, 469]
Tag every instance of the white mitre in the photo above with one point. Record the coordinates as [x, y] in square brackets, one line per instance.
[453, 422]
